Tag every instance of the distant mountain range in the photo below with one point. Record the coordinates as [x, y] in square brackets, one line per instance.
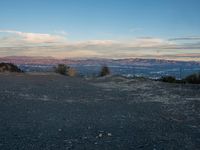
[153, 68]
[19, 60]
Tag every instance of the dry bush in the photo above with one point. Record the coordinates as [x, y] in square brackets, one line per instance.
[169, 79]
[61, 69]
[104, 71]
[71, 72]
[9, 67]
[193, 79]
[65, 70]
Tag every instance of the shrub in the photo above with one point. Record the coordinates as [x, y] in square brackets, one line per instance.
[193, 79]
[61, 69]
[169, 79]
[104, 71]
[65, 70]
[9, 67]
[71, 72]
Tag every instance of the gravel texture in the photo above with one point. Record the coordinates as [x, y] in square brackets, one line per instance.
[53, 112]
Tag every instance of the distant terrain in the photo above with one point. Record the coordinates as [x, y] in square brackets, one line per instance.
[152, 68]
[46, 111]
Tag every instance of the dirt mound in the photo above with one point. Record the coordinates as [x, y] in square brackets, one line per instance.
[9, 67]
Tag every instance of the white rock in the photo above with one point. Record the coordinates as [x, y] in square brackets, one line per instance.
[59, 130]
[109, 134]
[100, 135]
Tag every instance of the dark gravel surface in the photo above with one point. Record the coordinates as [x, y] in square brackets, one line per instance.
[53, 112]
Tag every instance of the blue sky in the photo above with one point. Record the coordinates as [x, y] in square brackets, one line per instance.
[106, 23]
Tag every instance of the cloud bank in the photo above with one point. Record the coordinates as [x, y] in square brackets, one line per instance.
[35, 38]
[17, 43]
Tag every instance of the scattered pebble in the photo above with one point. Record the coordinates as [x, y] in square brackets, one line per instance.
[100, 135]
[59, 130]
[109, 134]
[85, 137]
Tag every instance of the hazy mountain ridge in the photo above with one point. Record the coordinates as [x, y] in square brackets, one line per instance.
[19, 60]
[153, 68]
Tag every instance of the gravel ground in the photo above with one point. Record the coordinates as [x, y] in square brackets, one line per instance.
[53, 112]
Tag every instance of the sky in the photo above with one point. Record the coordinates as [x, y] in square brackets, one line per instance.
[164, 29]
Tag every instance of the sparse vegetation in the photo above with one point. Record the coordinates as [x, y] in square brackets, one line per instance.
[169, 79]
[71, 72]
[9, 67]
[104, 71]
[65, 70]
[61, 69]
[193, 79]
